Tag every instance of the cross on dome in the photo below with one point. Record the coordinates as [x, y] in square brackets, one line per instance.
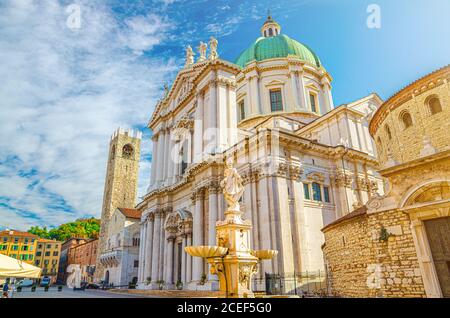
[270, 27]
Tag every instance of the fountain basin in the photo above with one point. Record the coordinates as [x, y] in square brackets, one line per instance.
[206, 251]
[264, 254]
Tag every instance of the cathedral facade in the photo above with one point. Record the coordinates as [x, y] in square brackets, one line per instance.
[305, 163]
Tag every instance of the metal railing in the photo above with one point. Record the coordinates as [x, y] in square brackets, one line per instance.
[303, 284]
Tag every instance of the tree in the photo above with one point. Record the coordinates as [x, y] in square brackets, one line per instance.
[81, 228]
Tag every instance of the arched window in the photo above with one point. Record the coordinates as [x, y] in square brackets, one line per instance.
[270, 32]
[388, 131]
[406, 119]
[434, 105]
[265, 33]
[317, 194]
[136, 240]
[127, 151]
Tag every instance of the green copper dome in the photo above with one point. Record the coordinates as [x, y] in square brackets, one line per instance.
[281, 45]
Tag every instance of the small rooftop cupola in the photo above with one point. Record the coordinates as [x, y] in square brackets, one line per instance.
[270, 27]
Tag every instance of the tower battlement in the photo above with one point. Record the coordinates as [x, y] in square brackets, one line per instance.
[128, 132]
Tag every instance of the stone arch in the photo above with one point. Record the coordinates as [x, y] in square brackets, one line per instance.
[433, 104]
[426, 191]
[178, 222]
[406, 119]
[128, 151]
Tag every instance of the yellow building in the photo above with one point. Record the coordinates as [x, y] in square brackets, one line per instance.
[18, 245]
[47, 257]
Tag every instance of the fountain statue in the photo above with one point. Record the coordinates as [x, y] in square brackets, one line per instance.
[232, 259]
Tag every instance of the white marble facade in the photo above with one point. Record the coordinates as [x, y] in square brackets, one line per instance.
[121, 257]
[303, 164]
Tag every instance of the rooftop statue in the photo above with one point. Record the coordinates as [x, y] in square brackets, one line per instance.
[213, 48]
[202, 50]
[189, 56]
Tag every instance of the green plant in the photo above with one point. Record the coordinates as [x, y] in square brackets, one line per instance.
[384, 234]
[148, 280]
[179, 285]
[160, 284]
[203, 279]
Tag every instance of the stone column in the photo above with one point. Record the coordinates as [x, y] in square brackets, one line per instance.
[303, 99]
[198, 129]
[169, 266]
[175, 161]
[188, 259]
[170, 160]
[197, 233]
[154, 156]
[162, 243]
[327, 95]
[149, 247]
[294, 106]
[183, 260]
[264, 216]
[232, 115]
[166, 156]
[156, 246]
[213, 121]
[159, 154]
[212, 219]
[141, 268]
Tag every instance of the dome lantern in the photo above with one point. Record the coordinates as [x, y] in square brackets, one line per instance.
[270, 27]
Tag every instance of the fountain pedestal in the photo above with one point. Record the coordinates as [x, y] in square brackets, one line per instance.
[232, 260]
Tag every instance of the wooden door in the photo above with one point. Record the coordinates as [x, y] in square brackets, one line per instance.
[438, 233]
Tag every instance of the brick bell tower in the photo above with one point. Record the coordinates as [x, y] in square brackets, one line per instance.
[120, 184]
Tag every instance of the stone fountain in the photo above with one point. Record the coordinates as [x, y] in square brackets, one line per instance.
[232, 260]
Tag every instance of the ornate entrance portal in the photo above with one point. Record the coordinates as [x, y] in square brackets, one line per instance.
[438, 233]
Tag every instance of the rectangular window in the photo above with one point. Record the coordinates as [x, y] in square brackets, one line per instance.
[15, 247]
[30, 257]
[47, 253]
[49, 246]
[306, 191]
[276, 103]
[312, 101]
[3, 247]
[38, 253]
[317, 195]
[39, 246]
[13, 255]
[326, 194]
[55, 253]
[24, 248]
[136, 264]
[241, 110]
[16, 240]
[5, 239]
[36, 262]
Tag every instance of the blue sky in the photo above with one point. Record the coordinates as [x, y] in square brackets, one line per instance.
[64, 91]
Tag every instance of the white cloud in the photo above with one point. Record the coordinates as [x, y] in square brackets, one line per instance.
[63, 93]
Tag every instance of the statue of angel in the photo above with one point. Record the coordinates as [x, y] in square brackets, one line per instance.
[232, 187]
